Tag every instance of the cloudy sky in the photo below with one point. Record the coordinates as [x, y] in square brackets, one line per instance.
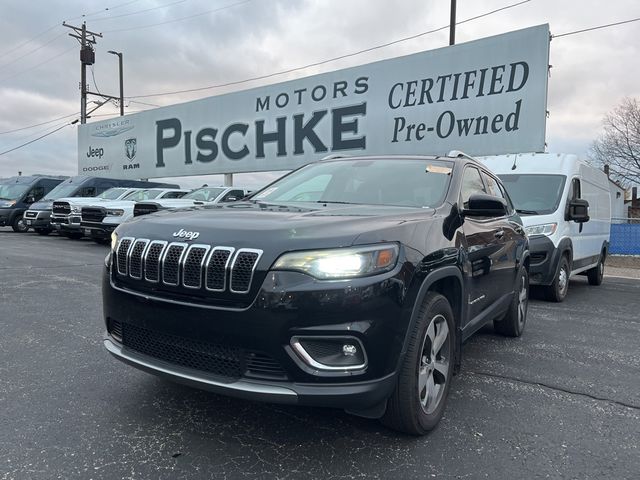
[171, 45]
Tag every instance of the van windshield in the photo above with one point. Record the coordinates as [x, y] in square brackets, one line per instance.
[12, 191]
[534, 194]
[62, 190]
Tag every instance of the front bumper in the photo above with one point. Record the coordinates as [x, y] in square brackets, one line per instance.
[544, 260]
[38, 218]
[287, 305]
[98, 229]
[66, 223]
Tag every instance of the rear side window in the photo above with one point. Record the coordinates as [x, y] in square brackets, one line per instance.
[173, 194]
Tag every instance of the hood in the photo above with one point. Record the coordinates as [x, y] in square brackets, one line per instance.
[174, 202]
[42, 205]
[126, 204]
[276, 227]
[81, 200]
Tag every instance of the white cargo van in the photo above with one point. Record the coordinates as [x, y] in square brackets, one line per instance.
[566, 210]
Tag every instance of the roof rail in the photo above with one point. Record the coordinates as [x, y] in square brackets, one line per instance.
[335, 155]
[459, 154]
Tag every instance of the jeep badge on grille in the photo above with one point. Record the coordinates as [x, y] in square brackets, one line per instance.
[182, 233]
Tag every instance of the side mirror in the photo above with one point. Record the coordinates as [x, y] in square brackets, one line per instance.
[30, 199]
[482, 205]
[578, 211]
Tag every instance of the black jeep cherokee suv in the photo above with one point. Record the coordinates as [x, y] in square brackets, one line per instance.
[349, 283]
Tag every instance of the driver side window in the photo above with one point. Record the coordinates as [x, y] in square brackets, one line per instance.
[471, 184]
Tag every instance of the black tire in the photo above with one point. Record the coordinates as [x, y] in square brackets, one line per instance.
[595, 275]
[18, 224]
[43, 231]
[557, 291]
[405, 409]
[513, 323]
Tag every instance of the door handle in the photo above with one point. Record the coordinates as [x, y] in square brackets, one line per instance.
[499, 234]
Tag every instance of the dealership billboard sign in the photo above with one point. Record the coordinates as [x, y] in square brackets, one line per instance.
[483, 97]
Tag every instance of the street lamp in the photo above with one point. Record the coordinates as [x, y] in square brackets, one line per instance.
[119, 54]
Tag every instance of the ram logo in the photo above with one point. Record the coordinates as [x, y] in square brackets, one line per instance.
[182, 233]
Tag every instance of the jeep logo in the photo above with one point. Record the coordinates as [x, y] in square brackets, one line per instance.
[182, 233]
[95, 152]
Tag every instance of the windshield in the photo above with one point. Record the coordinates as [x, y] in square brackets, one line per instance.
[12, 191]
[112, 193]
[206, 194]
[534, 194]
[62, 190]
[393, 181]
[140, 195]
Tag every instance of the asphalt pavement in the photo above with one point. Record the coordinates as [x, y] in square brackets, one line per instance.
[562, 401]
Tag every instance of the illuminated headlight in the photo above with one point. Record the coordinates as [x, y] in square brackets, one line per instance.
[76, 209]
[341, 263]
[547, 229]
[114, 241]
[115, 212]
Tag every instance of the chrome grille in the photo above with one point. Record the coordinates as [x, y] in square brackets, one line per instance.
[193, 263]
[135, 258]
[61, 208]
[171, 263]
[122, 254]
[242, 269]
[216, 270]
[194, 267]
[152, 260]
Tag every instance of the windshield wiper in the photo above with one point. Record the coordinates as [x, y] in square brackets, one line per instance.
[338, 202]
[526, 212]
[2, 198]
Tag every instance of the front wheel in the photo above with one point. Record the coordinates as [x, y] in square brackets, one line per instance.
[557, 291]
[18, 224]
[595, 275]
[419, 399]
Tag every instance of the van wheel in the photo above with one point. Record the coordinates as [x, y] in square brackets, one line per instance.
[18, 224]
[596, 274]
[512, 324]
[557, 291]
[419, 399]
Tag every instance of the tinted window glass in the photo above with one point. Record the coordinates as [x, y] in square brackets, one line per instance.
[471, 183]
[393, 181]
[12, 191]
[205, 194]
[173, 195]
[113, 193]
[492, 186]
[61, 191]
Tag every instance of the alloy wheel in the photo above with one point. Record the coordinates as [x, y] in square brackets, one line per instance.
[433, 371]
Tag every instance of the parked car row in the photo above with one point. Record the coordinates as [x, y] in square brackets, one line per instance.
[91, 206]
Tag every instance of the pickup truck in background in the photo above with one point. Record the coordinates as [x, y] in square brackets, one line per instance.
[201, 196]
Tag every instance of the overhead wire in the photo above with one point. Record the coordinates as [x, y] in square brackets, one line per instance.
[140, 27]
[39, 124]
[38, 138]
[322, 62]
[596, 27]
[112, 17]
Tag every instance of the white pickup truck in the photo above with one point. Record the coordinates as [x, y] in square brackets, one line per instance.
[201, 196]
[98, 220]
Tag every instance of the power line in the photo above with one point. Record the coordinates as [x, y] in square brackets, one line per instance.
[596, 28]
[181, 18]
[39, 138]
[322, 62]
[24, 55]
[112, 17]
[39, 124]
[38, 65]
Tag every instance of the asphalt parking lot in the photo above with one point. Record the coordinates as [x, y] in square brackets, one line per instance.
[563, 401]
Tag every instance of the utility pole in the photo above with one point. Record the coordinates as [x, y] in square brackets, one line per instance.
[87, 57]
[119, 54]
[452, 24]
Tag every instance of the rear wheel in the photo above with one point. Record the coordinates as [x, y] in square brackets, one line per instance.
[595, 275]
[19, 225]
[512, 324]
[419, 399]
[557, 291]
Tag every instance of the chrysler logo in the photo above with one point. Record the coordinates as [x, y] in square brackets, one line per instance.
[182, 233]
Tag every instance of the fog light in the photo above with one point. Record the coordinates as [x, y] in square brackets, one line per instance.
[349, 350]
[331, 353]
